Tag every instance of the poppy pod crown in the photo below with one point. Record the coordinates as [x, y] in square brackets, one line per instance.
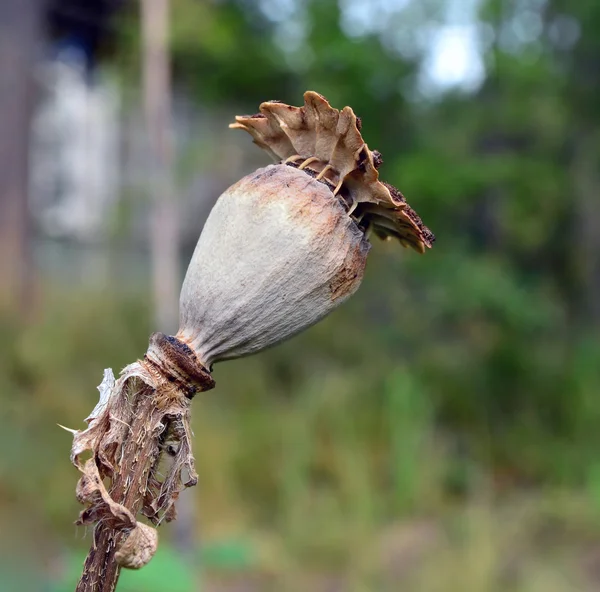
[327, 144]
[287, 244]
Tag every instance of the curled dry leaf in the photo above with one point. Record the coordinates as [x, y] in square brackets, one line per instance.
[92, 492]
[142, 540]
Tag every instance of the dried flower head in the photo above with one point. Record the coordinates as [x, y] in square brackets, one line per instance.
[281, 249]
[287, 244]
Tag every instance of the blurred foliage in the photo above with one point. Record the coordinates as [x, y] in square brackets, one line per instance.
[461, 385]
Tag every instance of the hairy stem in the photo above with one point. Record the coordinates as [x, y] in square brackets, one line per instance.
[141, 450]
[141, 418]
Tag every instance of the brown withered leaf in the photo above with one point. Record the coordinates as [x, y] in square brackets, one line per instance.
[92, 492]
[140, 419]
[111, 418]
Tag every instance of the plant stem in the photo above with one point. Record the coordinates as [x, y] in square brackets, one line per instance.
[141, 450]
[142, 416]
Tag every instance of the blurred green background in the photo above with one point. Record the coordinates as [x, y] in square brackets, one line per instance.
[439, 432]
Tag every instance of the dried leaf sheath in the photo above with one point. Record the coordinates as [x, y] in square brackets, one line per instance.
[327, 144]
[140, 419]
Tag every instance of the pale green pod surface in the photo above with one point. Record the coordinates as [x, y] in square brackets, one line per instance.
[278, 252]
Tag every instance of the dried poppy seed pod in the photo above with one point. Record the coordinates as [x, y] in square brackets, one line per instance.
[277, 254]
[287, 244]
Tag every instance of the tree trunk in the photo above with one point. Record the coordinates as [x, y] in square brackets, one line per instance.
[20, 36]
[586, 184]
[164, 231]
